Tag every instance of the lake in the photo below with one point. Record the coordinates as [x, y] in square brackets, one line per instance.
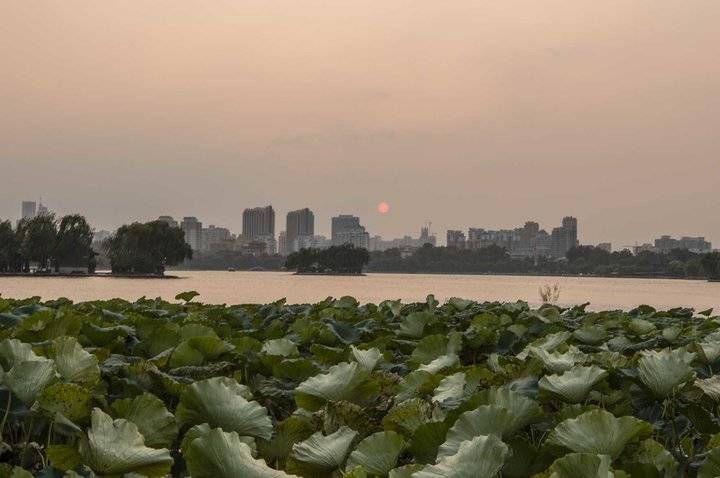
[262, 287]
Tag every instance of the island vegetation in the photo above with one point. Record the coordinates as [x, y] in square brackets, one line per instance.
[463, 389]
[345, 259]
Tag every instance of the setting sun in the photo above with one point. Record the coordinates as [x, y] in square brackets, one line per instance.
[383, 208]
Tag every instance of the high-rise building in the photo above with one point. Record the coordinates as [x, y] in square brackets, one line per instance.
[455, 239]
[193, 232]
[564, 237]
[699, 245]
[169, 220]
[259, 225]
[258, 221]
[346, 229]
[214, 237]
[42, 210]
[29, 209]
[605, 246]
[282, 244]
[299, 223]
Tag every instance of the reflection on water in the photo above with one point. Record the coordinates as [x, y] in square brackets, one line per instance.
[261, 287]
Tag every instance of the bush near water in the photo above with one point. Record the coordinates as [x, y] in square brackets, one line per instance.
[332, 389]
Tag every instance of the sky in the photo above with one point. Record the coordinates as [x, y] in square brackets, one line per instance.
[463, 113]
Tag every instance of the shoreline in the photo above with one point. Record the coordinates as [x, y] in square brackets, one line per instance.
[86, 276]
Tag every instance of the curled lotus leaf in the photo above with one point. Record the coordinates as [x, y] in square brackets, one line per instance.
[152, 418]
[523, 410]
[581, 465]
[599, 432]
[484, 420]
[548, 343]
[280, 347]
[574, 385]
[666, 370]
[28, 378]
[340, 382]
[378, 453]
[710, 387]
[368, 359]
[480, 457]
[221, 402]
[13, 351]
[116, 447]
[219, 454]
[451, 387]
[74, 364]
[325, 452]
[557, 362]
[440, 363]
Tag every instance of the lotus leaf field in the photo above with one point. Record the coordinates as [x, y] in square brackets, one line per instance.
[462, 389]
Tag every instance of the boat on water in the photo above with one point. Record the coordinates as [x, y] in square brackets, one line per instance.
[231, 269]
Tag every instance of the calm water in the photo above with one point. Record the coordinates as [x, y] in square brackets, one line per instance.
[261, 287]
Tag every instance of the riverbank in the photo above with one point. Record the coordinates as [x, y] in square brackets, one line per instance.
[53, 275]
[339, 274]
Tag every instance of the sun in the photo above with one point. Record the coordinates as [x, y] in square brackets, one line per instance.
[383, 208]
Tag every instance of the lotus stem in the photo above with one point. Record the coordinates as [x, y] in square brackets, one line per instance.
[7, 412]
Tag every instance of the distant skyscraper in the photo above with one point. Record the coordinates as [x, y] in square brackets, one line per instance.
[214, 237]
[193, 232]
[456, 239]
[564, 237]
[299, 223]
[258, 222]
[42, 209]
[346, 229]
[282, 244]
[29, 209]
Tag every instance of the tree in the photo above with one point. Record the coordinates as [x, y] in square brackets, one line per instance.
[146, 248]
[711, 265]
[74, 243]
[38, 237]
[9, 248]
[345, 259]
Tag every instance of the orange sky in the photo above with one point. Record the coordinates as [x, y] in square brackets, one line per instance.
[463, 113]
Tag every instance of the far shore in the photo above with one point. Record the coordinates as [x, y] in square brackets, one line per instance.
[50, 275]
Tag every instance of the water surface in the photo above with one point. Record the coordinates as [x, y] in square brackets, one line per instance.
[262, 287]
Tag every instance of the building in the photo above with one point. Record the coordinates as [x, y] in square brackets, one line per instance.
[698, 245]
[28, 210]
[42, 210]
[169, 220]
[605, 246]
[456, 238]
[346, 229]
[564, 237]
[282, 244]
[193, 232]
[298, 223]
[215, 238]
[258, 221]
[311, 242]
[406, 242]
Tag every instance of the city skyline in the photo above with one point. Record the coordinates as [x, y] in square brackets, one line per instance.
[458, 113]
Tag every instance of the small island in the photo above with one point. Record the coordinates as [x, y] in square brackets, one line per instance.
[346, 260]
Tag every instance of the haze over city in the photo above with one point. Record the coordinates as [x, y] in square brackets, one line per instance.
[462, 113]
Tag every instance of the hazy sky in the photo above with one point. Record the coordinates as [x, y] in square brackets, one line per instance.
[462, 112]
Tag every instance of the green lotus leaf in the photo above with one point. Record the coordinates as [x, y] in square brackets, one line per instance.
[599, 432]
[116, 447]
[152, 418]
[590, 334]
[407, 416]
[433, 346]
[484, 420]
[378, 453]
[557, 362]
[548, 343]
[440, 363]
[610, 360]
[13, 351]
[574, 385]
[708, 352]
[321, 452]
[640, 326]
[451, 387]
[414, 324]
[405, 471]
[426, 441]
[220, 454]
[198, 351]
[481, 457]
[653, 454]
[187, 296]
[460, 304]
[710, 468]
[221, 402]
[27, 379]
[203, 430]
[343, 381]
[293, 429]
[416, 384]
[69, 399]
[523, 410]
[666, 370]
[74, 364]
[581, 465]
[710, 387]
[297, 369]
[368, 359]
[280, 347]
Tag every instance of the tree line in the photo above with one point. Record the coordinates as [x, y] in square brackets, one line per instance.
[345, 259]
[586, 260]
[52, 245]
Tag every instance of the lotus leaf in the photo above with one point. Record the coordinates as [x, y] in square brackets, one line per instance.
[665, 370]
[481, 457]
[574, 385]
[378, 453]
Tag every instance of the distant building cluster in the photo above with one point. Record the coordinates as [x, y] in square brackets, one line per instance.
[30, 209]
[404, 243]
[526, 241]
[665, 244]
